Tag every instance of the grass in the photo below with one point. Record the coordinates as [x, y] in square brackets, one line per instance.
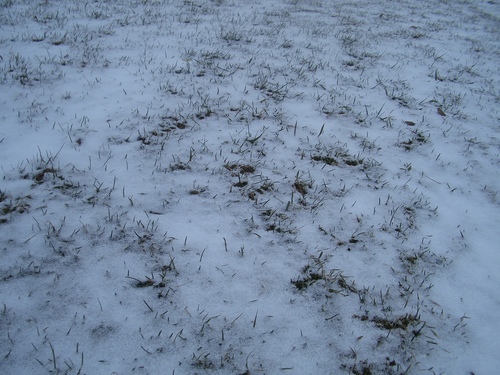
[204, 186]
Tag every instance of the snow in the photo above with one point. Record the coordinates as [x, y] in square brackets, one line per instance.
[258, 187]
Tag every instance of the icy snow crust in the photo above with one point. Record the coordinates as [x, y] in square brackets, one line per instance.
[249, 187]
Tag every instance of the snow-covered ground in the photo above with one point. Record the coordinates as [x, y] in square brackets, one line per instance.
[249, 187]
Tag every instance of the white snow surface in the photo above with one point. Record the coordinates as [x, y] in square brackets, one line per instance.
[249, 187]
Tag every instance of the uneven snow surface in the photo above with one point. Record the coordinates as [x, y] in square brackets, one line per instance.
[249, 187]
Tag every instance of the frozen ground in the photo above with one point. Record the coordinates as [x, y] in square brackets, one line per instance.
[249, 187]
